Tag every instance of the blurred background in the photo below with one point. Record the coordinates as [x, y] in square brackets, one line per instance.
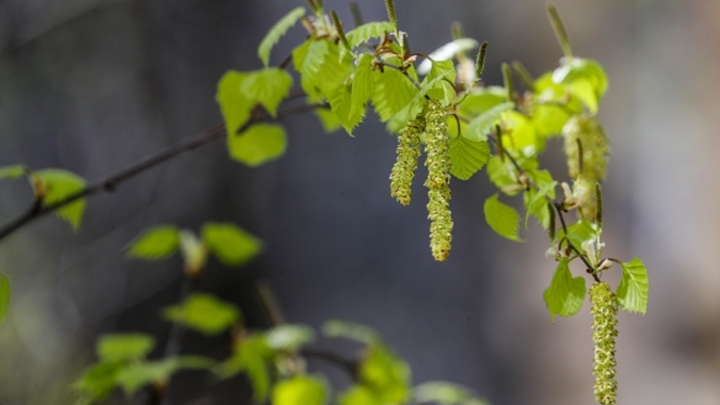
[91, 86]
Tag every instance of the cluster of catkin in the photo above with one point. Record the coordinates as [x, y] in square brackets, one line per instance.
[431, 122]
[587, 149]
[604, 311]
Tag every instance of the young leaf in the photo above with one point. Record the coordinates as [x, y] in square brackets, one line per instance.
[124, 346]
[340, 98]
[500, 175]
[59, 185]
[447, 52]
[503, 219]
[467, 157]
[393, 92]
[155, 243]
[368, 31]
[566, 293]
[267, 87]
[481, 99]
[521, 135]
[261, 143]
[250, 355]
[349, 330]
[300, 390]
[289, 337]
[4, 297]
[359, 395]
[445, 393]
[362, 86]
[578, 233]
[98, 381]
[194, 253]
[233, 246]
[385, 374]
[586, 80]
[632, 292]
[536, 204]
[234, 104]
[308, 59]
[277, 31]
[137, 375]
[478, 128]
[204, 313]
[444, 88]
[12, 172]
[329, 120]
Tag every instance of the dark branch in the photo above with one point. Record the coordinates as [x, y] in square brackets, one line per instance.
[109, 183]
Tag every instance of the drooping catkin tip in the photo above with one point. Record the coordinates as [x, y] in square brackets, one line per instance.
[438, 181]
[604, 311]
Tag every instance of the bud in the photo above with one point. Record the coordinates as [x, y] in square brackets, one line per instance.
[604, 310]
[408, 152]
[438, 180]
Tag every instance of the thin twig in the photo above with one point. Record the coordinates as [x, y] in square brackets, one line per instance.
[110, 182]
[349, 366]
[403, 71]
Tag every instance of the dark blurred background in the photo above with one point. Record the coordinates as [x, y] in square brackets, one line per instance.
[91, 86]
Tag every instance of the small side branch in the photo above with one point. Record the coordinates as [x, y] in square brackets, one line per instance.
[110, 183]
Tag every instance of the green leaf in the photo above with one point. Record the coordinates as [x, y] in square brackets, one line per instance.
[385, 374]
[500, 175]
[261, 143]
[308, 59]
[536, 204]
[4, 297]
[445, 393]
[577, 69]
[467, 157]
[277, 31]
[522, 137]
[359, 395]
[350, 330]
[267, 87]
[13, 172]
[300, 390]
[448, 52]
[124, 346]
[232, 245]
[368, 31]
[251, 356]
[479, 127]
[234, 104]
[549, 119]
[98, 381]
[443, 89]
[341, 102]
[578, 233]
[393, 92]
[481, 99]
[137, 375]
[329, 120]
[632, 292]
[155, 243]
[289, 337]
[59, 185]
[204, 313]
[503, 219]
[363, 85]
[566, 293]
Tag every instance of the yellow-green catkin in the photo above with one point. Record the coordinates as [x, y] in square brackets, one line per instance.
[438, 180]
[587, 150]
[604, 310]
[408, 152]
